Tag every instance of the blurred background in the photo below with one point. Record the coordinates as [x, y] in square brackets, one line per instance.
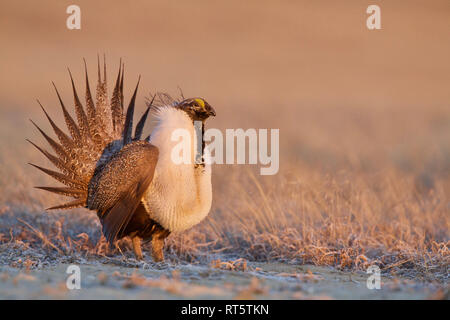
[343, 96]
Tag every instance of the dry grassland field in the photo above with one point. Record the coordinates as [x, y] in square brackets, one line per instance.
[364, 147]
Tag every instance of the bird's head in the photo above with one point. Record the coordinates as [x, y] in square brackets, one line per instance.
[197, 108]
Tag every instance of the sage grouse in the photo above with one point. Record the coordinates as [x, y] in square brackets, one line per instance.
[132, 183]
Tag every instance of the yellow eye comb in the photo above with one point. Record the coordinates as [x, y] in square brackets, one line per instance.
[201, 102]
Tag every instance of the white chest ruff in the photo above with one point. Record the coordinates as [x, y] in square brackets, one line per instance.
[178, 206]
[180, 195]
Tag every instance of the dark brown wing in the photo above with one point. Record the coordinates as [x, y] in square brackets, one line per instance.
[117, 187]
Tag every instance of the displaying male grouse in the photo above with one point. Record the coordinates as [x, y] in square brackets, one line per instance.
[133, 184]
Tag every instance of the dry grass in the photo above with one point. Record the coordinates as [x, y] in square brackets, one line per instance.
[347, 220]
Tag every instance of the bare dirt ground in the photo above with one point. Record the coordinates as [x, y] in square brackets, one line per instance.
[120, 279]
[364, 123]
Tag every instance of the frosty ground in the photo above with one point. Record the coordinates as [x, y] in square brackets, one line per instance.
[120, 279]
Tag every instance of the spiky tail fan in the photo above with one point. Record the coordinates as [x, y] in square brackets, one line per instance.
[98, 133]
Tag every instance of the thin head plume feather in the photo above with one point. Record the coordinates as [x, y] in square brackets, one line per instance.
[165, 99]
[181, 92]
[162, 99]
[99, 130]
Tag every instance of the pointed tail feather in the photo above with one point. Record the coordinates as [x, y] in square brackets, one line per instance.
[61, 177]
[90, 107]
[121, 86]
[70, 205]
[81, 115]
[66, 142]
[103, 110]
[140, 125]
[55, 146]
[116, 105]
[65, 191]
[71, 125]
[127, 130]
[55, 160]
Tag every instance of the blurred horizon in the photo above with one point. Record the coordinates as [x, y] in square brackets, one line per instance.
[340, 93]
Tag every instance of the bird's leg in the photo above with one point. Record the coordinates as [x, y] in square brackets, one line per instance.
[137, 247]
[158, 244]
[157, 249]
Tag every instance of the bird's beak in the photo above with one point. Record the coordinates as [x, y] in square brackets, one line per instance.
[211, 111]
